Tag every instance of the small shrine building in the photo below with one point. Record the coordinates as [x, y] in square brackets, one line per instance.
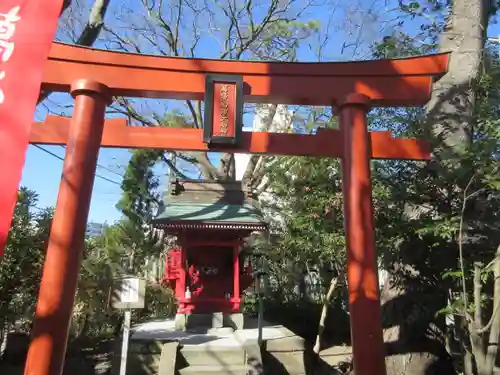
[209, 270]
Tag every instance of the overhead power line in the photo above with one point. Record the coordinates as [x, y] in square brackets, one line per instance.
[62, 159]
[102, 166]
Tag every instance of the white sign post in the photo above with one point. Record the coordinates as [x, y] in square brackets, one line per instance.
[126, 334]
[130, 295]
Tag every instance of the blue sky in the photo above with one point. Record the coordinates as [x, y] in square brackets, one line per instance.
[42, 171]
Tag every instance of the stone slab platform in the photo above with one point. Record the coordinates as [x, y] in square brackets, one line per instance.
[277, 337]
[282, 350]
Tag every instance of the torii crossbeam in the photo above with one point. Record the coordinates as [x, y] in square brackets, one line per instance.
[325, 143]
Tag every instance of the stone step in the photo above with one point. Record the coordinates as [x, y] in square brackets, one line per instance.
[200, 355]
[214, 370]
[336, 354]
[168, 358]
[254, 362]
[293, 362]
[138, 364]
[224, 331]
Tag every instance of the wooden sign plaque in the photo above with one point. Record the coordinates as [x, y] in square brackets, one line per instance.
[223, 110]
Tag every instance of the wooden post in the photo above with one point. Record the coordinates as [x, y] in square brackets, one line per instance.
[362, 270]
[183, 270]
[62, 263]
[236, 270]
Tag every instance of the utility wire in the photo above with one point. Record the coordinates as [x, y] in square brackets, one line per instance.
[60, 158]
[102, 166]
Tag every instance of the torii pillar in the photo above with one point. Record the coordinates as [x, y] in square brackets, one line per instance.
[362, 269]
[64, 252]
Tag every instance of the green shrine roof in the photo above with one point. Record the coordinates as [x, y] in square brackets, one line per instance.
[209, 205]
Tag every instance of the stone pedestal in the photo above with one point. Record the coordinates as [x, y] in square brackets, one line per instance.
[214, 320]
[180, 322]
[235, 321]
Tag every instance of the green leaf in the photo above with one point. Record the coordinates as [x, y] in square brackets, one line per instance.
[452, 274]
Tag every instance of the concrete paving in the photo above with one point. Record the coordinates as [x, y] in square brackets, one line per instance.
[164, 330]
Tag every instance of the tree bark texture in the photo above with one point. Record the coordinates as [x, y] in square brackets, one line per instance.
[484, 338]
[324, 312]
[415, 338]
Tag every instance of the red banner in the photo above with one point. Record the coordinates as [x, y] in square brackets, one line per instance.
[27, 28]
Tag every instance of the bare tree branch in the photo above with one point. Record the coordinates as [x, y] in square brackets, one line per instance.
[324, 311]
[66, 5]
[95, 23]
[176, 28]
[173, 167]
[90, 32]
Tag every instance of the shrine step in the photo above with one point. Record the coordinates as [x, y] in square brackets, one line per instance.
[200, 355]
[212, 320]
[215, 370]
[168, 358]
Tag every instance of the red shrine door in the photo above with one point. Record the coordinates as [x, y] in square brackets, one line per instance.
[211, 271]
[210, 279]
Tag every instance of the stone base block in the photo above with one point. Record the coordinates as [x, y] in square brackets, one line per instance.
[180, 322]
[214, 320]
[235, 321]
[168, 358]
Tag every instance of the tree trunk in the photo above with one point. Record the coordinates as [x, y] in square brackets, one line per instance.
[324, 313]
[414, 336]
[468, 364]
[494, 336]
[450, 112]
[415, 342]
[484, 339]
[85, 326]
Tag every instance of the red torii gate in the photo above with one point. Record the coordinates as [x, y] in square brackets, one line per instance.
[93, 77]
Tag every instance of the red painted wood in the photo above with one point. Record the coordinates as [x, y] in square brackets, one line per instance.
[404, 82]
[26, 33]
[387, 82]
[326, 143]
[66, 242]
[362, 270]
[236, 273]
